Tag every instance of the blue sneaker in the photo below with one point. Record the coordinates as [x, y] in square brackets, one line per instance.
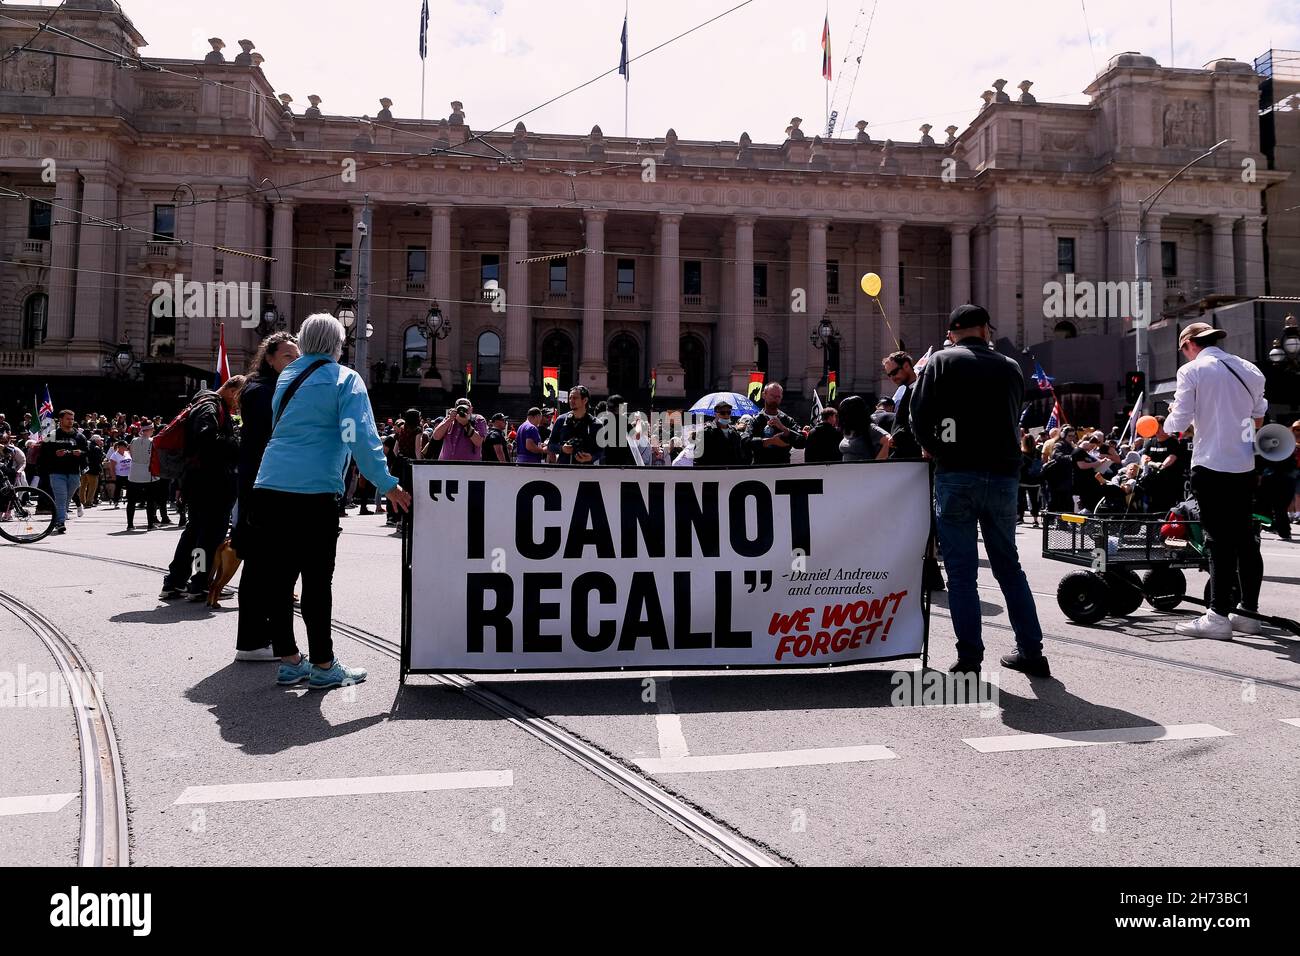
[291, 674]
[336, 675]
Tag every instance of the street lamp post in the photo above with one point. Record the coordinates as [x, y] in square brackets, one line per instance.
[1143, 273]
[824, 337]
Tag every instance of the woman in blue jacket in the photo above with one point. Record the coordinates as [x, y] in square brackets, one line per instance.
[320, 414]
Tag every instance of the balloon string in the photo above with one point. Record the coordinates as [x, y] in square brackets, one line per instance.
[897, 340]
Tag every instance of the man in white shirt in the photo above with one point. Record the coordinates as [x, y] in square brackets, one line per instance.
[1221, 397]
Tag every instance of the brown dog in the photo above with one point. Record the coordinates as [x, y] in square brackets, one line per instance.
[224, 565]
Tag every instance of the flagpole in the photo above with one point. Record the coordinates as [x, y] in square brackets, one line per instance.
[827, 123]
[424, 63]
[627, 77]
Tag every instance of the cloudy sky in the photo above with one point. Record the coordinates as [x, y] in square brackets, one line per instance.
[923, 61]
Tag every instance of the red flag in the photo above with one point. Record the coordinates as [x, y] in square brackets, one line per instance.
[826, 49]
[223, 360]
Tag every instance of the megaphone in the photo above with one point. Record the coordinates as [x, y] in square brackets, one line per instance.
[1274, 442]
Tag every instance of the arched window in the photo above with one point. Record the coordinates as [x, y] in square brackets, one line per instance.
[760, 357]
[414, 352]
[557, 352]
[625, 366]
[488, 371]
[695, 366]
[1065, 330]
[162, 329]
[35, 311]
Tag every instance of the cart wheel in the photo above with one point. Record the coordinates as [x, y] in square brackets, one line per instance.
[1164, 588]
[1083, 596]
[1124, 593]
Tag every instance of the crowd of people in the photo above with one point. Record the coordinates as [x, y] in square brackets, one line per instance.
[275, 475]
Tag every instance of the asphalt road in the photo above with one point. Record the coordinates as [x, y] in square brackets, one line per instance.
[1150, 748]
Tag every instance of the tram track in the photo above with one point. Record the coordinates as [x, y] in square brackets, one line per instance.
[719, 838]
[104, 839]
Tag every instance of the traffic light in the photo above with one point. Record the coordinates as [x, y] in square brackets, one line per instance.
[1135, 385]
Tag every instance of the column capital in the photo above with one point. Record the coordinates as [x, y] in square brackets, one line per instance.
[595, 215]
[744, 222]
[520, 212]
[889, 225]
[442, 212]
[820, 222]
[1223, 220]
[961, 228]
[670, 218]
[1253, 223]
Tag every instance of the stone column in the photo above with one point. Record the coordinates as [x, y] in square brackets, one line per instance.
[514, 365]
[1004, 270]
[201, 335]
[1252, 234]
[742, 328]
[980, 267]
[63, 258]
[889, 290]
[440, 288]
[959, 232]
[1034, 272]
[724, 335]
[865, 377]
[241, 332]
[800, 323]
[667, 316]
[282, 267]
[592, 371]
[97, 256]
[1225, 266]
[816, 296]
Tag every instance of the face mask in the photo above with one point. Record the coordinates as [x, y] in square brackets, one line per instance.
[723, 422]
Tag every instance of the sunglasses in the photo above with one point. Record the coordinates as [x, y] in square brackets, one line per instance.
[891, 372]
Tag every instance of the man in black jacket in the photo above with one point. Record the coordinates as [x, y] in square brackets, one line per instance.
[824, 439]
[209, 486]
[965, 413]
[721, 442]
[901, 370]
[773, 433]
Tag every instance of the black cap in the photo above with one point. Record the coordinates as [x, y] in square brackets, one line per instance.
[499, 416]
[968, 317]
[718, 405]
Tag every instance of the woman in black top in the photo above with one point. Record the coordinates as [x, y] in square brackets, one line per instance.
[1031, 478]
[271, 358]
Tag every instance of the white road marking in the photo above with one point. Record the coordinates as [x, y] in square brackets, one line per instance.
[672, 742]
[766, 761]
[40, 803]
[1293, 721]
[1091, 738]
[346, 786]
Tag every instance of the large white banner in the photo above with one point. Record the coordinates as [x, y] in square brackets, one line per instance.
[535, 567]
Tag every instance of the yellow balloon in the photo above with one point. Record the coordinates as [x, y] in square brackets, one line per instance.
[871, 284]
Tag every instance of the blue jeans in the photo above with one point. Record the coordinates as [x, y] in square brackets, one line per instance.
[965, 500]
[62, 488]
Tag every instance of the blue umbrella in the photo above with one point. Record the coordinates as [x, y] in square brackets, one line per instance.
[740, 405]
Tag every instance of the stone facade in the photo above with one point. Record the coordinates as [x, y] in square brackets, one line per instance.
[696, 259]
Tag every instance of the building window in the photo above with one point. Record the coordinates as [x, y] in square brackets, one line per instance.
[489, 268]
[626, 276]
[342, 265]
[902, 288]
[692, 277]
[417, 265]
[559, 274]
[414, 352]
[760, 280]
[760, 357]
[35, 310]
[489, 359]
[162, 329]
[1169, 259]
[1065, 256]
[38, 221]
[833, 277]
[164, 223]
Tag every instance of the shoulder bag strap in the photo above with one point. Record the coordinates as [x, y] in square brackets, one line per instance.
[293, 388]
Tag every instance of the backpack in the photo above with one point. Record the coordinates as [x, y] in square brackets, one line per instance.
[170, 455]
[1056, 472]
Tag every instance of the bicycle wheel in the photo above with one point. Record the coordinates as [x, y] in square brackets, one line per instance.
[31, 516]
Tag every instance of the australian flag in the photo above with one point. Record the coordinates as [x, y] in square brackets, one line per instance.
[623, 69]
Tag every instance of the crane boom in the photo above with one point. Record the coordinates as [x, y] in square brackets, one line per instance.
[849, 67]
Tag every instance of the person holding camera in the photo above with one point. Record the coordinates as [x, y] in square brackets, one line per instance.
[461, 432]
[573, 437]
